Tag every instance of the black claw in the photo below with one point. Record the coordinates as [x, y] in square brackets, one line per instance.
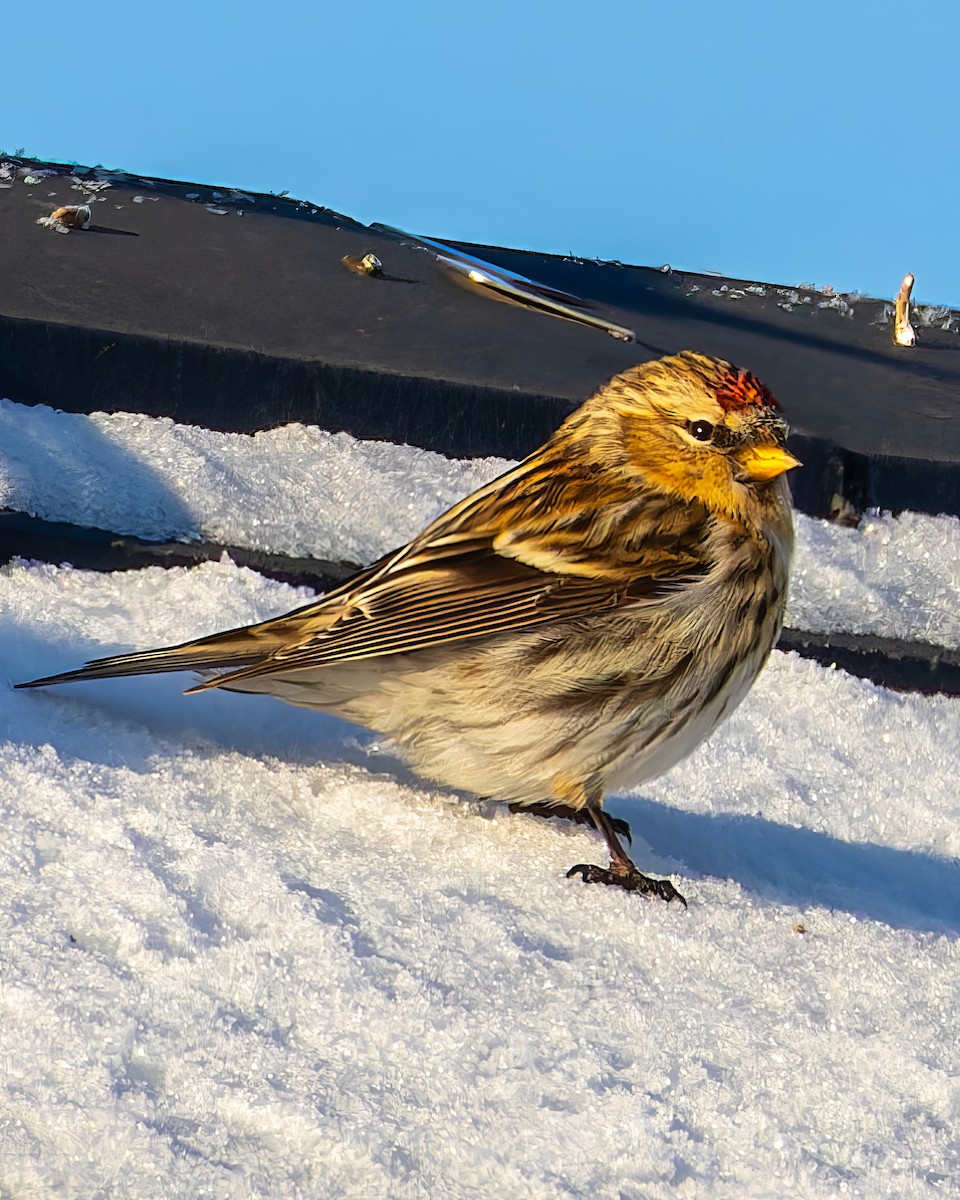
[632, 881]
[583, 869]
[622, 829]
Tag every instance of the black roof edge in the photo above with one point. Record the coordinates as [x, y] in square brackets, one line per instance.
[234, 390]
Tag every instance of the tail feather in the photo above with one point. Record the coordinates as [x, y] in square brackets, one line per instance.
[229, 650]
[235, 649]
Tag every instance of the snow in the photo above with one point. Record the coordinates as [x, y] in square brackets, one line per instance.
[243, 952]
[294, 490]
[304, 491]
[891, 576]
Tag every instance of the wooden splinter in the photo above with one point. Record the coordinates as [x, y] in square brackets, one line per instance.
[904, 333]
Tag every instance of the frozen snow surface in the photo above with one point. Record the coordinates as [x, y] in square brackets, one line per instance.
[296, 490]
[895, 577]
[299, 490]
[243, 953]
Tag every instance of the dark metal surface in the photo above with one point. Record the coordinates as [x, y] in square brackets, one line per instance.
[241, 322]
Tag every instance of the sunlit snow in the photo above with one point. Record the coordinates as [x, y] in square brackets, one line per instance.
[245, 953]
[300, 490]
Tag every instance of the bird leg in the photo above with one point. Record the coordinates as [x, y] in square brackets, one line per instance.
[566, 812]
[621, 872]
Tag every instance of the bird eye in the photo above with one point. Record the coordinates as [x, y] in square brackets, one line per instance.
[701, 430]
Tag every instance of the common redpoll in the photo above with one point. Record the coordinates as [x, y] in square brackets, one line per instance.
[580, 624]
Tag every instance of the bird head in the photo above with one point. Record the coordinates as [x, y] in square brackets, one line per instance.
[696, 427]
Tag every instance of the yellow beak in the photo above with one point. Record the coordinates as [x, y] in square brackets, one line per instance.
[766, 462]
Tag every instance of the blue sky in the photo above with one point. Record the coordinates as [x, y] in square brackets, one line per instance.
[780, 141]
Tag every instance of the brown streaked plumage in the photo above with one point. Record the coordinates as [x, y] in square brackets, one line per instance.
[582, 622]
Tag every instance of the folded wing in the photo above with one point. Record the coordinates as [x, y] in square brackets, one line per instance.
[459, 580]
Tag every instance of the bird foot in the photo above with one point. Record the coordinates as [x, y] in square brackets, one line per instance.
[629, 878]
[580, 816]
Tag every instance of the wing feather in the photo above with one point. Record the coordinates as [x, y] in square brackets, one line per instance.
[424, 607]
[533, 547]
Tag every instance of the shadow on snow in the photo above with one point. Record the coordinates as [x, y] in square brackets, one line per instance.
[117, 721]
[907, 889]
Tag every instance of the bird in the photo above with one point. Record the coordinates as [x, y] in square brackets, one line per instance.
[578, 625]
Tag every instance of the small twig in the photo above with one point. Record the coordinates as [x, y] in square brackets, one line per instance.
[904, 333]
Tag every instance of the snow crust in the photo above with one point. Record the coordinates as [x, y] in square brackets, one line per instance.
[304, 491]
[295, 490]
[891, 576]
[244, 953]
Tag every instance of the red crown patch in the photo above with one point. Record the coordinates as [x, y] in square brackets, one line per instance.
[740, 389]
